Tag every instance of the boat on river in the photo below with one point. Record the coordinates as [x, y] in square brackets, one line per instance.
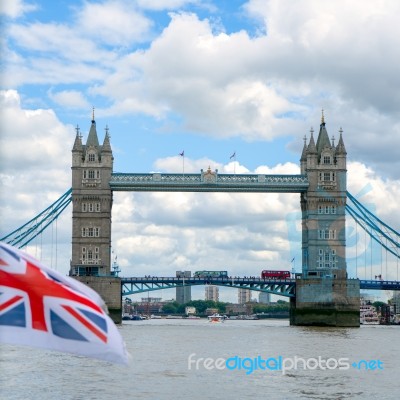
[368, 314]
[217, 318]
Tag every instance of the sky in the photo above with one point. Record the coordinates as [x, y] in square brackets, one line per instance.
[210, 78]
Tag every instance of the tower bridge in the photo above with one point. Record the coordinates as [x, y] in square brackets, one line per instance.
[323, 193]
[321, 295]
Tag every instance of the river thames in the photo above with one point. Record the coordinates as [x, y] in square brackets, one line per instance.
[194, 359]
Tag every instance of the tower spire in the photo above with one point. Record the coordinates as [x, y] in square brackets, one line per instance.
[78, 140]
[322, 118]
[311, 145]
[340, 148]
[93, 115]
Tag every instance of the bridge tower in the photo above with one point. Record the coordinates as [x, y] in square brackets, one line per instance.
[323, 207]
[92, 166]
[324, 295]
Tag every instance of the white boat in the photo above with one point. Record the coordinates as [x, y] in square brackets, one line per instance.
[217, 318]
[368, 315]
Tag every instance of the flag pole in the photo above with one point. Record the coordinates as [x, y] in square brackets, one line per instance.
[234, 162]
[183, 161]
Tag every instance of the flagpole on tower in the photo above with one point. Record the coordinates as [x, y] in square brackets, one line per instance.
[183, 161]
[234, 162]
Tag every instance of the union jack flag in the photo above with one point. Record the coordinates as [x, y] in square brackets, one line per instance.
[42, 308]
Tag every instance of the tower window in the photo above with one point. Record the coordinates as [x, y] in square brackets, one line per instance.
[92, 157]
[327, 234]
[91, 232]
[327, 159]
[91, 207]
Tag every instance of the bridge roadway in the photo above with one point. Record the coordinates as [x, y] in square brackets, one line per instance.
[284, 287]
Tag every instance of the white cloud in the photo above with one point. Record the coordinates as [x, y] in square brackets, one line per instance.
[339, 56]
[381, 194]
[35, 162]
[15, 8]
[204, 78]
[352, 45]
[69, 99]
[166, 4]
[115, 23]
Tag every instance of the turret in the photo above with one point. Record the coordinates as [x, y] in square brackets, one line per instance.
[341, 153]
[77, 149]
[312, 154]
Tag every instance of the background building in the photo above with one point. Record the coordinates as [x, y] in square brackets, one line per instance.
[212, 292]
[264, 298]
[149, 305]
[183, 294]
[396, 302]
[244, 296]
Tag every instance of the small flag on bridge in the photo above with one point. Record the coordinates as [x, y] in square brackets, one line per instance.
[40, 307]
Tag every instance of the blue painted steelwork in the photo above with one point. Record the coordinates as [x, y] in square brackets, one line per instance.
[279, 287]
[379, 285]
[382, 233]
[27, 232]
[208, 182]
[146, 284]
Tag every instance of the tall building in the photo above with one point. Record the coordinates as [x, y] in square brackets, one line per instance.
[244, 296]
[264, 298]
[396, 301]
[323, 206]
[183, 294]
[92, 166]
[212, 292]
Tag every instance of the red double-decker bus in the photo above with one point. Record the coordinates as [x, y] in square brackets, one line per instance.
[275, 274]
